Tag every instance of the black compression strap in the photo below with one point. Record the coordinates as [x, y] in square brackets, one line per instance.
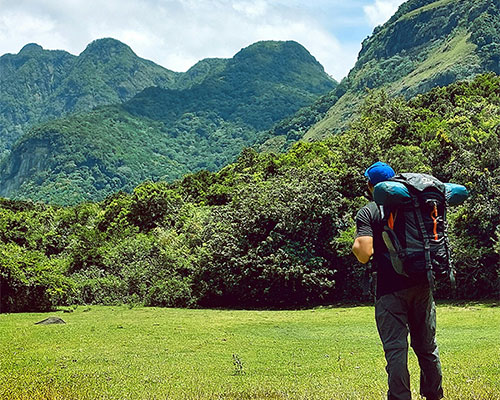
[427, 247]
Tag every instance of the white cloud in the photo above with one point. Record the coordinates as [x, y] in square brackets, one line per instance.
[173, 33]
[380, 11]
[252, 9]
[23, 23]
[19, 27]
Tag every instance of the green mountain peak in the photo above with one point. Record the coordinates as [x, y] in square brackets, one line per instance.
[106, 49]
[283, 55]
[31, 49]
[37, 85]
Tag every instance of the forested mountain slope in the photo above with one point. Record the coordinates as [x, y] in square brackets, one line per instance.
[217, 108]
[268, 93]
[427, 43]
[38, 85]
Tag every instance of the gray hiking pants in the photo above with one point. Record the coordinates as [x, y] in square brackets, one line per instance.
[397, 314]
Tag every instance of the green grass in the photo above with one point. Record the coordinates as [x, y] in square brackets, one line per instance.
[148, 353]
[431, 6]
[458, 51]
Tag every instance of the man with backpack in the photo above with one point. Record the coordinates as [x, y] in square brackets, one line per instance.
[404, 301]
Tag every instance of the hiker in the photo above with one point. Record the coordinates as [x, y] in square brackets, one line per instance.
[403, 304]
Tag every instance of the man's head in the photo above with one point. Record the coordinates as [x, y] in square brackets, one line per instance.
[378, 172]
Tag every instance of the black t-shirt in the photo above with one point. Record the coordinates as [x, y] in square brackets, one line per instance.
[370, 222]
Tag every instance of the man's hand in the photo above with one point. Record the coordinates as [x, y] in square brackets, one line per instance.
[363, 248]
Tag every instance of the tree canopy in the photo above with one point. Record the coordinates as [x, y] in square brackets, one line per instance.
[269, 230]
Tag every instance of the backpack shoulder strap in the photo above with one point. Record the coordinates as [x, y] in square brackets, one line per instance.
[425, 239]
[381, 211]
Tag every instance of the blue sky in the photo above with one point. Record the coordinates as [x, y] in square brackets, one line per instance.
[178, 33]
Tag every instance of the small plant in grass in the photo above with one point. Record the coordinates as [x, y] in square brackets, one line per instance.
[238, 365]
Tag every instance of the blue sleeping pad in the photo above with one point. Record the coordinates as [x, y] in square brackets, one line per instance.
[392, 194]
[455, 194]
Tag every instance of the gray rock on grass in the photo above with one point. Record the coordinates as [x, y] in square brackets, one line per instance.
[50, 321]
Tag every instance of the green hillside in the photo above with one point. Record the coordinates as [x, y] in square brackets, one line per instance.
[221, 107]
[425, 44]
[37, 85]
[26, 83]
[270, 230]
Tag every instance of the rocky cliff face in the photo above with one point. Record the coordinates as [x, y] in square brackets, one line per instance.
[19, 171]
[27, 82]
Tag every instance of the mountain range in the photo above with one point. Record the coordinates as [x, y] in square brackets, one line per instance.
[178, 123]
[167, 124]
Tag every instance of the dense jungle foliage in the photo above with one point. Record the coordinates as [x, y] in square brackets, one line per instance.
[270, 230]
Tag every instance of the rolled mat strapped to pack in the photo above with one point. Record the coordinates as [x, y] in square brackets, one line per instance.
[394, 194]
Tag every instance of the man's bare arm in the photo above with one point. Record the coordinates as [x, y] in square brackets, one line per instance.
[363, 248]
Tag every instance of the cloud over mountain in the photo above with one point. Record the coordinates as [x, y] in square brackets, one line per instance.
[381, 10]
[178, 33]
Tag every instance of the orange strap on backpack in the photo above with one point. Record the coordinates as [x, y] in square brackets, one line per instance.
[390, 220]
[434, 216]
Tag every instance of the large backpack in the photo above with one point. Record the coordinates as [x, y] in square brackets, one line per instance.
[415, 230]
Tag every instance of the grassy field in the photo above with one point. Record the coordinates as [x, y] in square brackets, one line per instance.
[148, 353]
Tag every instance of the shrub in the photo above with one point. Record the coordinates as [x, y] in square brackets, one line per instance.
[174, 292]
[31, 281]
